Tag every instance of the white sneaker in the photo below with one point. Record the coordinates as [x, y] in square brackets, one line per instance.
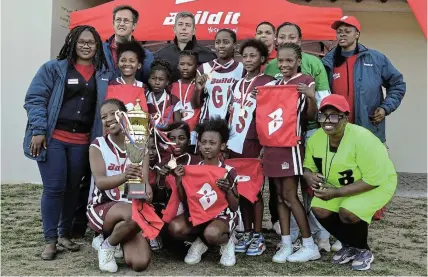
[282, 253]
[97, 241]
[323, 244]
[305, 254]
[118, 252]
[228, 254]
[277, 227]
[336, 246]
[106, 261]
[195, 252]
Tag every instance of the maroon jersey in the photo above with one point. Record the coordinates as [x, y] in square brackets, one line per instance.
[162, 110]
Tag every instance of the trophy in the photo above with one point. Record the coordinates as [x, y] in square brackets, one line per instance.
[135, 126]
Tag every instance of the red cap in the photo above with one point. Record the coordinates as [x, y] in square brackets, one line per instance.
[350, 20]
[337, 101]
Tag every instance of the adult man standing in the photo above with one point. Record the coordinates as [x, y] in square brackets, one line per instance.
[125, 20]
[185, 39]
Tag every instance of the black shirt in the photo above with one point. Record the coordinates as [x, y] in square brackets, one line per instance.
[78, 103]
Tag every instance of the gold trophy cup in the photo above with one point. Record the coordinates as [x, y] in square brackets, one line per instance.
[135, 126]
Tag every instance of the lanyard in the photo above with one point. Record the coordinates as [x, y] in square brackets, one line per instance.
[331, 161]
[183, 101]
[122, 81]
[286, 82]
[244, 93]
[156, 104]
[173, 161]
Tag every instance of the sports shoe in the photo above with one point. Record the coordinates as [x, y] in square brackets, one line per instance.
[106, 261]
[305, 254]
[228, 254]
[282, 253]
[336, 246]
[236, 236]
[297, 244]
[243, 243]
[194, 254]
[97, 241]
[345, 255]
[118, 252]
[323, 244]
[257, 246]
[277, 227]
[156, 244]
[363, 260]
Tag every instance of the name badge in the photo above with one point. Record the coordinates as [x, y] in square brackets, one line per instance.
[73, 81]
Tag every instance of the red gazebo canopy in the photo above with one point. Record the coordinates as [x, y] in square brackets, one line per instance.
[157, 17]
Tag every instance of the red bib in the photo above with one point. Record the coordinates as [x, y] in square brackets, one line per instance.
[146, 217]
[250, 177]
[128, 94]
[277, 115]
[170, 212]
[204, 198]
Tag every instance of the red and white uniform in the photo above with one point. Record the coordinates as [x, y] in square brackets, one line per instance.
[184, 92]
[162, 110]
[218, 87]
[102, 200]
[287, 161]
[244, 140]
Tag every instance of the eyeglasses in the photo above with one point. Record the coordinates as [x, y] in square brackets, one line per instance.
[82, 43]
[125, 21]
[333, 118]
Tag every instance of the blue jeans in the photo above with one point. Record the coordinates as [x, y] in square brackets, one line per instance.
[62, 173]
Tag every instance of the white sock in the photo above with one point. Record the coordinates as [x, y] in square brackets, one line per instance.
[286, 240]
[106, 244]
[308, 242]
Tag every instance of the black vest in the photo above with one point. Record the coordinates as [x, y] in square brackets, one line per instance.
[78, 103]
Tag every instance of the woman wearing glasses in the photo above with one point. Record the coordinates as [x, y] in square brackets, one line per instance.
[352, 177]
[61, 104]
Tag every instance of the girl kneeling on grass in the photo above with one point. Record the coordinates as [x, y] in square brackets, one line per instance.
[108, 212]
[212, 138]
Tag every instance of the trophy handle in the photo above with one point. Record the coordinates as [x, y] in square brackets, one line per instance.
[120, 115]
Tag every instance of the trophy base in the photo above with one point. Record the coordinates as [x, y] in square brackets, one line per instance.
[135, 191]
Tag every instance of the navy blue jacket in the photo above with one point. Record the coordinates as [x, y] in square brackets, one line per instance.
[43, 103]
[372, 71]
[141, 75]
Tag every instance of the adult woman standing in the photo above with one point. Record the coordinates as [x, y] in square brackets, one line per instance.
[359, 73]
[352, 177]
[62, 103]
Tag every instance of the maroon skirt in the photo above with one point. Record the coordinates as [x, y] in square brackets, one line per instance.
[283, 161]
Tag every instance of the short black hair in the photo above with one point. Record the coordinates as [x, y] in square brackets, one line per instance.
[134, 12]
[231, 33]
[299, 31]
[182, 126]
[266, 23]
[259, 45]
[190, 53]
[116, 102]
[163, 65]
[132, 46]
[214, 125]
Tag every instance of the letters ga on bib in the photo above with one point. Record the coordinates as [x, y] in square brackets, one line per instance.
[250, 177]
[204, 198]
[277, 115]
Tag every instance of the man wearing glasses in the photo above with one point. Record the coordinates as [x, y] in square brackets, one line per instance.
[125, 20]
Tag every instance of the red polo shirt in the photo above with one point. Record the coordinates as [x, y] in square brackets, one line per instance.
[343, 82]
[272, 55]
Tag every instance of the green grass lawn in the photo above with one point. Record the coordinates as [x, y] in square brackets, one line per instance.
[399, 243]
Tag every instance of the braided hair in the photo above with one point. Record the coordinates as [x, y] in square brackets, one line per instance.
[162, 65]
[297, 49]
[68, 50]
[116, 102]
[299, 31]
[190, 53]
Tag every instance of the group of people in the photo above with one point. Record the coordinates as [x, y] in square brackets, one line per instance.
[205, 104]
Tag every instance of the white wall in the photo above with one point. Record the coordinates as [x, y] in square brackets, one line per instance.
[26, 38]
[400, 38]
